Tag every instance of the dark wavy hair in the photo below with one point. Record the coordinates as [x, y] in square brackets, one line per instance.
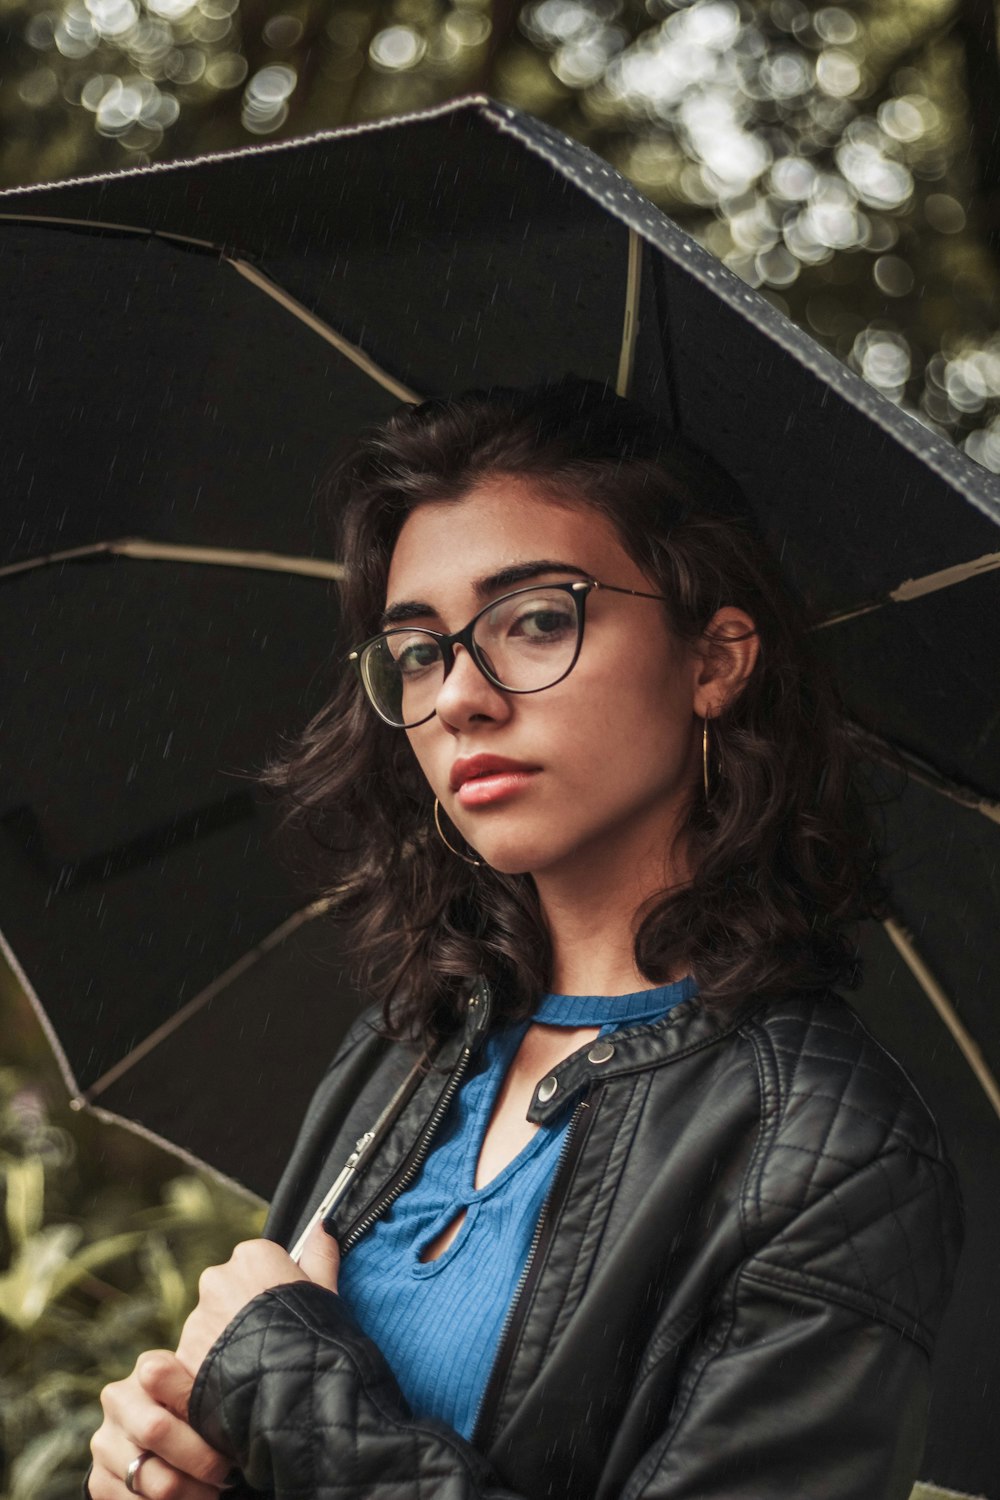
[783, 856]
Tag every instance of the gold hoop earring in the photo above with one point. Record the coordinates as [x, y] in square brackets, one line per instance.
[704, 756]
[441, 835]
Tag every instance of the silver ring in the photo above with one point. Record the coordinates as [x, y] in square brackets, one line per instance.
[132, 1472]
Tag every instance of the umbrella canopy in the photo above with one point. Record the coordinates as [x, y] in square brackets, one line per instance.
[183, 346]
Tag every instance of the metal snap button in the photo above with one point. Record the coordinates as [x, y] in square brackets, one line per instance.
[546, 1089]
[603, 1052]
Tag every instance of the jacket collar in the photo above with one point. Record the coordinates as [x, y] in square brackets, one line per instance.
[686, 1028]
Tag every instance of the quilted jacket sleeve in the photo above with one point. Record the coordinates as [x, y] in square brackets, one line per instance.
[308, 1407]
[811, 1377]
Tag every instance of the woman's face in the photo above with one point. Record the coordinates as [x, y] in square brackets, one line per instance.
[602, 762]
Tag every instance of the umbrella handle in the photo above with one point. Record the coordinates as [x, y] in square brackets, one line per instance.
[340, 1185]
[364, 1147]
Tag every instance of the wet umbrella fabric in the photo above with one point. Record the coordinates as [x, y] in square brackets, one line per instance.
[183, 347]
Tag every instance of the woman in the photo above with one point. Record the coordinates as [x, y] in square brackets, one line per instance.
[647, 1212]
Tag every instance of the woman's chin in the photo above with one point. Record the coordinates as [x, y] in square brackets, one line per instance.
[517, 856]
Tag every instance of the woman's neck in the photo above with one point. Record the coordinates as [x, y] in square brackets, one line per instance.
[592, 911]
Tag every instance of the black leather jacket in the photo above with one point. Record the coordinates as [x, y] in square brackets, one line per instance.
[732, 1295]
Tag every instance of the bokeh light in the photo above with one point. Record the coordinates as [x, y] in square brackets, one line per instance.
[819, 151]
[265, 98]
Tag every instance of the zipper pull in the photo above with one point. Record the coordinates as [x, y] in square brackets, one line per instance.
[335, 1193]
[478, 1007]
[360, 1145]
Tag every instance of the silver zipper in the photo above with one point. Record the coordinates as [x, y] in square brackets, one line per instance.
[416, 1161]
[502, 1355]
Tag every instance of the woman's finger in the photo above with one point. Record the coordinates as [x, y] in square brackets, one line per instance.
[155, 1480]
[137, 1423]
[320, 1258]
[164, 1378]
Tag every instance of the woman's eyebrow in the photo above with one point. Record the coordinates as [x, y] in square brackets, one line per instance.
[414, 609]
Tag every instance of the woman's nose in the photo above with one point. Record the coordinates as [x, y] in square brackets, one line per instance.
[467, 694]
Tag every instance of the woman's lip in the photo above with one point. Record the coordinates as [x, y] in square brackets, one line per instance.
[481, 791]
[482, 765]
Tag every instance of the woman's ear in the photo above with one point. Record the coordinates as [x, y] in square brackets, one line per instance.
[727, 654]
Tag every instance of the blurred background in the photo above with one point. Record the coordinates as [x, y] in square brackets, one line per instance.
[844, 159]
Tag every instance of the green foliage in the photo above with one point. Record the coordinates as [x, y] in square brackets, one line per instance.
[95, 1266]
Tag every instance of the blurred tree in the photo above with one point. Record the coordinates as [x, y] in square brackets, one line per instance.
[102, 1238]
[842, 157]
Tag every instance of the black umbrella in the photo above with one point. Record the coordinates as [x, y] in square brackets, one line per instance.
[182, 347]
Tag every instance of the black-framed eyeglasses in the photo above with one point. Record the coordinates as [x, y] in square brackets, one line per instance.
[523, 642]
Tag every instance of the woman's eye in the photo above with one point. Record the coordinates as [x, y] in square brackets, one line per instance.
[541, 624]
[417, 656]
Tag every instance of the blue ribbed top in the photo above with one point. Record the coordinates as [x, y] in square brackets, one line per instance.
[438, 1322]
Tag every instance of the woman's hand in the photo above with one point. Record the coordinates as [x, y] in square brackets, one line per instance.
[254, 1267]
[147, 1413]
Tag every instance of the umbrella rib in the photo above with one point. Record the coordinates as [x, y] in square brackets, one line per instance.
[102, 226]
[932, 988]
[198, 1002]
[31, 994]
[916, 588]
[925, 775]
[357, 356]
[148, 551]
[630, 324]
[192, 1162]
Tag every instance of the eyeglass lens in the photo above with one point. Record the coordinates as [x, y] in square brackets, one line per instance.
[526, 641]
